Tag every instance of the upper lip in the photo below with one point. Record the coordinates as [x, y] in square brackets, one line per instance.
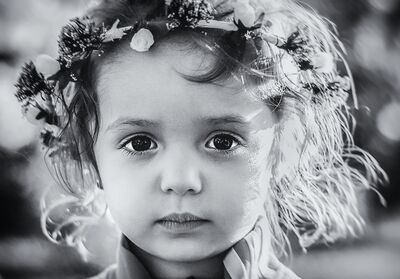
[181, 218]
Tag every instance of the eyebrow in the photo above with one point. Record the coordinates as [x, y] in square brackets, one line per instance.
[226, 119]
[144, 123]
[132, 122]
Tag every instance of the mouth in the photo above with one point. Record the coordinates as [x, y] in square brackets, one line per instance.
[181, 223]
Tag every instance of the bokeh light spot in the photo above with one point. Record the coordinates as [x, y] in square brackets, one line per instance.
[388, 121]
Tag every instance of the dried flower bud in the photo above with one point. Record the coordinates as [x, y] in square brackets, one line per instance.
[78, 39]
[31, 82]
[188, 13]
[142, 40]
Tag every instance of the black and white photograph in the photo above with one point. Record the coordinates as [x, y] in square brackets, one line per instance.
[200, 139]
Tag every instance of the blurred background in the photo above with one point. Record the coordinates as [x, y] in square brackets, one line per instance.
[370, 30]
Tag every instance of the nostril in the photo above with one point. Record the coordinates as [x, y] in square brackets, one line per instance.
[182, 189]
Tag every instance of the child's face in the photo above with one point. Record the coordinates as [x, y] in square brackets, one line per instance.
[204, 151]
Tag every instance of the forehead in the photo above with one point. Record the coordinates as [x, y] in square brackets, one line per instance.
[153, 85]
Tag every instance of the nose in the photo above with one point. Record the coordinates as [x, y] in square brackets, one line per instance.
[181, 174]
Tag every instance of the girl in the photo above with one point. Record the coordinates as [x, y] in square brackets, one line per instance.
[208, 127]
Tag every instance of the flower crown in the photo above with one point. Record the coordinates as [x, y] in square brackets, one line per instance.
[46, 85]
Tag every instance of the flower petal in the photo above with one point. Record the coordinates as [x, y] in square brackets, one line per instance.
[245, 13]
[142, 40]
[47, 65]
[323, 62]
[116, 33]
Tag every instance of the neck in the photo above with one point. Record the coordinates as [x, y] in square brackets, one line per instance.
[159, 268]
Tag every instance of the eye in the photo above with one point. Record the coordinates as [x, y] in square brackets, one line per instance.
[139, 144]
[223, 142]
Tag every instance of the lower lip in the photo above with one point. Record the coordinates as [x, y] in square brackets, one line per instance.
[182, 227]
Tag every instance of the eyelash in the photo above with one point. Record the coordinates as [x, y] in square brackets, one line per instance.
[132, 153]
[129, 152]
[229, 152]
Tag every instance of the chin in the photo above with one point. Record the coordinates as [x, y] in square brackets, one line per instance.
[187, 252]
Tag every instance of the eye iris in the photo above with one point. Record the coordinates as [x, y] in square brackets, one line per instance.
[223, 142]
[141, 143]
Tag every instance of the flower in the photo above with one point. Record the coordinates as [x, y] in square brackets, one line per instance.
[47, 65]
[31, 82]
[115, 33]
[187, 13]
[244, 13]
[78, 39]
[322, 62]
[39, 109]
[32, 113]
[142, 40]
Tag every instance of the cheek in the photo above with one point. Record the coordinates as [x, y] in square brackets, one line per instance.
[238, 195]
[127, 191]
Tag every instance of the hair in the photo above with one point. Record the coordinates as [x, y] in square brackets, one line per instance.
[316, 167]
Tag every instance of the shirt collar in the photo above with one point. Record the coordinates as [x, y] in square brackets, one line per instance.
[251, 257]
[129, 265]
